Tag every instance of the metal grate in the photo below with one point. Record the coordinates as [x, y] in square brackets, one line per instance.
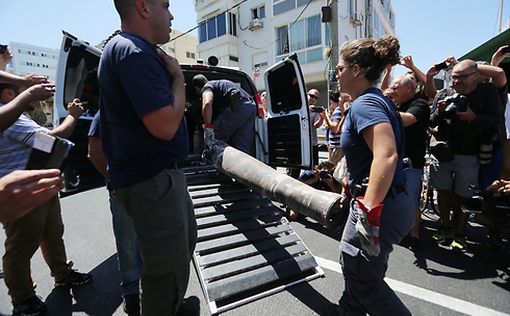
[246, 248]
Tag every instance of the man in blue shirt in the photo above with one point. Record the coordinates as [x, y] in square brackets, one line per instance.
[144, 139]
[229, 110]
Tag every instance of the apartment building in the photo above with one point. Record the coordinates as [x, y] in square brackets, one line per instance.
[255, 34]
[28, 59]
[183, 47]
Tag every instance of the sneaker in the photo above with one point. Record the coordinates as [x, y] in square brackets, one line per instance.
[74, 279]
[459, 243]
[442, 235]
[131, 304]
[34, 306]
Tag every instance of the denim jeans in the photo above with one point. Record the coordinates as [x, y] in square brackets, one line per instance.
[128, 249]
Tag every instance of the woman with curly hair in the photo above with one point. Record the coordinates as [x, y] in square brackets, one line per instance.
[381, 213]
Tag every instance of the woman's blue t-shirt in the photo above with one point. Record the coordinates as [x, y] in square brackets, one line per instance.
[367, 110]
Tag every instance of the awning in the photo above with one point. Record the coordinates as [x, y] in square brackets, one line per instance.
[485, 51]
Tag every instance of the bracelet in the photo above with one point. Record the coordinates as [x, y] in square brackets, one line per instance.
[207, 125]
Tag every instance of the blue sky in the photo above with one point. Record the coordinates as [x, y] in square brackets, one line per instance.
[429, 30]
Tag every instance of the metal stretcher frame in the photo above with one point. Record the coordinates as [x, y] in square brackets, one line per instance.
[246, 248]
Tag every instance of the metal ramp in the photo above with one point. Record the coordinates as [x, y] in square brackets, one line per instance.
[246, 248]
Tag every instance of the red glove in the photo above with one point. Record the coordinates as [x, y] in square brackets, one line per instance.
[367, 226]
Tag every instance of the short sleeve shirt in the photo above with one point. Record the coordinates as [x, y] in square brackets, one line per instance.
[334, 139]
[134, 82]
[369, 109]
[221, 90]
[416, 134]
[16, 144]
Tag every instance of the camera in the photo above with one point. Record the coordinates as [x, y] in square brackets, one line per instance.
[506, 50]
[455, 103]
[323, 174]
[441, 66]
[317, 109]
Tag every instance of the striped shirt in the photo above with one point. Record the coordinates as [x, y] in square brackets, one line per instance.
[334, 139]
[16, 144]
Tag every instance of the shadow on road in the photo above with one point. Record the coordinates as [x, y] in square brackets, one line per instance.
[100, 297]
[478, 262]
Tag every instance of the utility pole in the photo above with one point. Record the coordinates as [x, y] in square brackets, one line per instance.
[333, 39]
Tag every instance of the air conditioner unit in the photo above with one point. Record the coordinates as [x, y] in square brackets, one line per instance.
[357, 19]
[256, 24]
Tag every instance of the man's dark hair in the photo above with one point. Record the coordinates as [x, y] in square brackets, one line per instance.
[4, 86]
[199, 81]
[3, 48]
[124, 7]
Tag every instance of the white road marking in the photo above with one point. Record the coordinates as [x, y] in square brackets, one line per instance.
[445, 301]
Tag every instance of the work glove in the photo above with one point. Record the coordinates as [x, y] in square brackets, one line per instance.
[209, 138]
[367, 226]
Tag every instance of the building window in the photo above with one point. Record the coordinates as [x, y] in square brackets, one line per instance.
[233, 58]
[260, 65]
[190, 55]
[282, 6]
[304, 38]
[232, 29]
[217, 26]
[282, 40]
[258, 13]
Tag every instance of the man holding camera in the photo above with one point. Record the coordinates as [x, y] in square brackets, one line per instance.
[469, 122]
[317, 117]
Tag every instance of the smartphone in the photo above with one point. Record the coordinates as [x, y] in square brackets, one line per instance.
[441, 66]
[506, 50]
[317, 109]
[48, 152]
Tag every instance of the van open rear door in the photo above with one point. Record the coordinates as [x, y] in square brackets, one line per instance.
[77, 78]
[288, 123]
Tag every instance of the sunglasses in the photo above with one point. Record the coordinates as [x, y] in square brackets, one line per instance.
[313, 96]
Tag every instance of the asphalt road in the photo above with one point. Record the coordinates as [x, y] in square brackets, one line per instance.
[435, 281]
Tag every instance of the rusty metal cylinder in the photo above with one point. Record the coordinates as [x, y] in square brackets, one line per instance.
[322, 206]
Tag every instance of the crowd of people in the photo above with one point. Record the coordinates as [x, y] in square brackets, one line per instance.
[376, 134]
[381, 133]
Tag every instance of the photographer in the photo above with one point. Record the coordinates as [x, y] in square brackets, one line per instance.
[469, 121]
[320, 178]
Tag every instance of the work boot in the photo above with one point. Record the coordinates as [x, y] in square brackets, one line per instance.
[131, 304]
[34, 306]
[75, 278]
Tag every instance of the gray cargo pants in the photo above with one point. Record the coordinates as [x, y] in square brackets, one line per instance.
[365, 289]
[165, 225]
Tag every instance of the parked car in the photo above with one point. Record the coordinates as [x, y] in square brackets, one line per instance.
[282, 137]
